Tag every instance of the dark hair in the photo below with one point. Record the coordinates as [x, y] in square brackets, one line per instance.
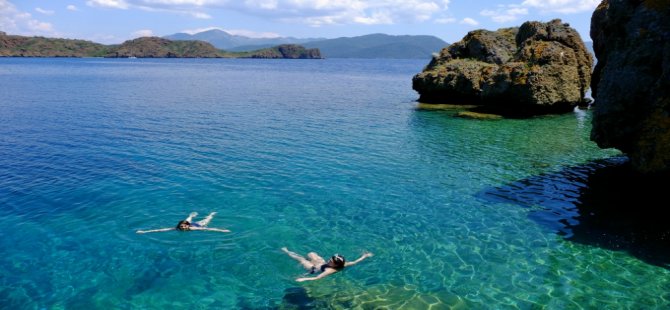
[338, 260]
[183, 222]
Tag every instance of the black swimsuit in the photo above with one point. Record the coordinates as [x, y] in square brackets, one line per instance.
[322, 268]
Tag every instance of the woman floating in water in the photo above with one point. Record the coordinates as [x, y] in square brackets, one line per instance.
[188, 224]
[316, 264]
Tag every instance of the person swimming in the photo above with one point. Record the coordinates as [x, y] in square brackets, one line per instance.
[188, 225]
[316, 264]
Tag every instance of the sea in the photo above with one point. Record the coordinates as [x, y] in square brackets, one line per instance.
[326, 156]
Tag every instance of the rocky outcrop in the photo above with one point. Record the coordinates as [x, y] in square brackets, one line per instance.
[631, 82]
[536, 68]
[290, 51]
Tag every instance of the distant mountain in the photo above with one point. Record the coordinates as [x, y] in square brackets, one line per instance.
[380, 46]
[227, 41]
[146, 47]
[367, 46]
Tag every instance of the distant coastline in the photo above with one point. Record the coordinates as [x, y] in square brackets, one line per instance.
[372, 46]
[145, 47]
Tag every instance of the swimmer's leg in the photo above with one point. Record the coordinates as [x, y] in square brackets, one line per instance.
[206, 220]
[191, 216]
[304, 262]
[315, 259]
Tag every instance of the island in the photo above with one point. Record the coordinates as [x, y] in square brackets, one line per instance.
[144, 47]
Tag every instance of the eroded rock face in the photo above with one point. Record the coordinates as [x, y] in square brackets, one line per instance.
[536, 68]
[631, 82]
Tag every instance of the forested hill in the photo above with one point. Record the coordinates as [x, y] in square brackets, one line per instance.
[20, 46]
[145, 47]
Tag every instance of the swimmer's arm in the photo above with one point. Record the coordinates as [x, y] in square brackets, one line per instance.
[211, 229]
[364, 256]
[155, 230]
[324, 274]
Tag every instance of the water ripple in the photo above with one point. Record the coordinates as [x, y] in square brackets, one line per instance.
[328, 156]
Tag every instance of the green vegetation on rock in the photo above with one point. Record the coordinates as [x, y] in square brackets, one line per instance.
[19, 46]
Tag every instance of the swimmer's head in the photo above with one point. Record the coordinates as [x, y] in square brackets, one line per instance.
[338, 261]
[183, 225]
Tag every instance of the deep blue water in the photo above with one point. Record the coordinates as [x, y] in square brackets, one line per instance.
[315, 155]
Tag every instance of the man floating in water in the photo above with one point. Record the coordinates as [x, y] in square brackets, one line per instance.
[188, 225]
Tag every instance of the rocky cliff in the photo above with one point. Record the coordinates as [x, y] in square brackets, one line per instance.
[631, 82]
[536, 68]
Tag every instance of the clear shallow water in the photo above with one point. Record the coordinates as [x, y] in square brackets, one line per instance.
[326, 156]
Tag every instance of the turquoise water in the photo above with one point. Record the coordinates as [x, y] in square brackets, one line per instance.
[326, 156]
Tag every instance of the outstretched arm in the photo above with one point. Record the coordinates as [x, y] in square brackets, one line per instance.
[211, 229]
[155, 230]
[364, 256]
[324, 274]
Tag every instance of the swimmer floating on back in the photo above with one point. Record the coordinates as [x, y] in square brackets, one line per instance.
[316, 264]
[188, 224]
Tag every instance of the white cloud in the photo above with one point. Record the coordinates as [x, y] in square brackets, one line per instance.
[45, 12]
[512, 12]
[317, 13]
[239, 32]
[311, 12]
[143, 33]
[447, 20]
[263, 4]
[376, 18]
[505, 13]
[469, 21]
[197, 30]
[562, 6]
[72, 8]
[40, 27]
[14, 21]
[173, 10]
[200, 15]
[114, 4]
[252, 34]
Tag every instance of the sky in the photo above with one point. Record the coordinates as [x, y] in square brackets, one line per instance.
[114, 21]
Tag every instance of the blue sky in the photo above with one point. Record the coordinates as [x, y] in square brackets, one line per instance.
[113, 21]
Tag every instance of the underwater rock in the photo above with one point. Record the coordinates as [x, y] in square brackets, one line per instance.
[480, 116]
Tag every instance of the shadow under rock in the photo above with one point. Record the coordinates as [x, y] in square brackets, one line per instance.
[602, 203]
